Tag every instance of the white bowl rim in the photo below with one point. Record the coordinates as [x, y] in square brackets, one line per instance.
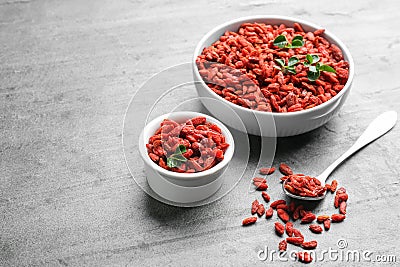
[187, 176]
[254, 18]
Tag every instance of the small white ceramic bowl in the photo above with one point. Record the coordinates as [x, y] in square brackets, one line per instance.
[184, 187]
[262, 123]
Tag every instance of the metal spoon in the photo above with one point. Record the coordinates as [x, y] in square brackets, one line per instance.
[378, 127]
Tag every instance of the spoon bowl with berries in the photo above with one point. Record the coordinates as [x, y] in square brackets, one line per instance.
[305, 187]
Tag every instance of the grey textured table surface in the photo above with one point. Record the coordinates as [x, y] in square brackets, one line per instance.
[67, 72]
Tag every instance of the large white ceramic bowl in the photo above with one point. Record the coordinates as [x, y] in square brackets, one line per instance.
[259, 122]
[184, 187]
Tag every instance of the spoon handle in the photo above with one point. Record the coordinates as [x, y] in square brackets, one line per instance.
[378, 127]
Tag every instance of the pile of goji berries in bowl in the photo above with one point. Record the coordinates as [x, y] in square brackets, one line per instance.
[282, 76]
[185, 154]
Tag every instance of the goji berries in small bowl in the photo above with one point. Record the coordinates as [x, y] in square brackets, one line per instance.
[185, 154]
[282, 76]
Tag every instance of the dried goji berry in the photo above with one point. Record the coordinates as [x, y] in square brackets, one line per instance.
[261, 186]
[266, 197]
[259, 180]
[269, 213]
[260, 210]
[279, 228]
[277, 202]
[342, 207]
[283, 207]
[327, 224]
[285, 169]
[338, 217]
[289, 228]
[322, 218]
[309, 245]
[295, 240]
[283, 215]
[254, 206]
[249, 220]
[334, 185]
[267, 171]
[315, 228]
[309, 217]
[297, 233]
[296, 212]
[282, 245]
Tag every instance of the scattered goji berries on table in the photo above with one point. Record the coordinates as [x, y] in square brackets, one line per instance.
[288, 212]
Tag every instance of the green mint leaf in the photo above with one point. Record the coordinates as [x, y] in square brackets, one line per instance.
[180, 149]
[172, 163]
[291, 69]
[277, 67]
[315, 58]
[309, 58]
[312, 76]
[327, 68]
[313, 69]
[280, 62]
[305, 63]
[297, 44]
[280, 41]
[176, 159]
[293, 61]
[298, 37]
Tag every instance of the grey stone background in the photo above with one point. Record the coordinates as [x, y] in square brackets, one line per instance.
[67, 72]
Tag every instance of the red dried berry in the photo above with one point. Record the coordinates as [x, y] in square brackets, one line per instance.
[309, 245]
[282, 245]
[342, 197]
[254, 206]
[309, 217]
[269, 213]
[342, 207]
[267, 171]
[328, 187]
[315, 228]
[297, 233]
[341, 190]
[338, 217]
[304, 257]
[285, 169]
[289, 229]
[283, 215]
[334, 185]
[336, 201]
[261, 186]
[249, 220]
[265, 196]
[277, 202]
[279, 228]
[322, 218]
[295, 240]
[260, 210]
[259, 180]
[296, 212]
[283, 207]
[327, 224]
